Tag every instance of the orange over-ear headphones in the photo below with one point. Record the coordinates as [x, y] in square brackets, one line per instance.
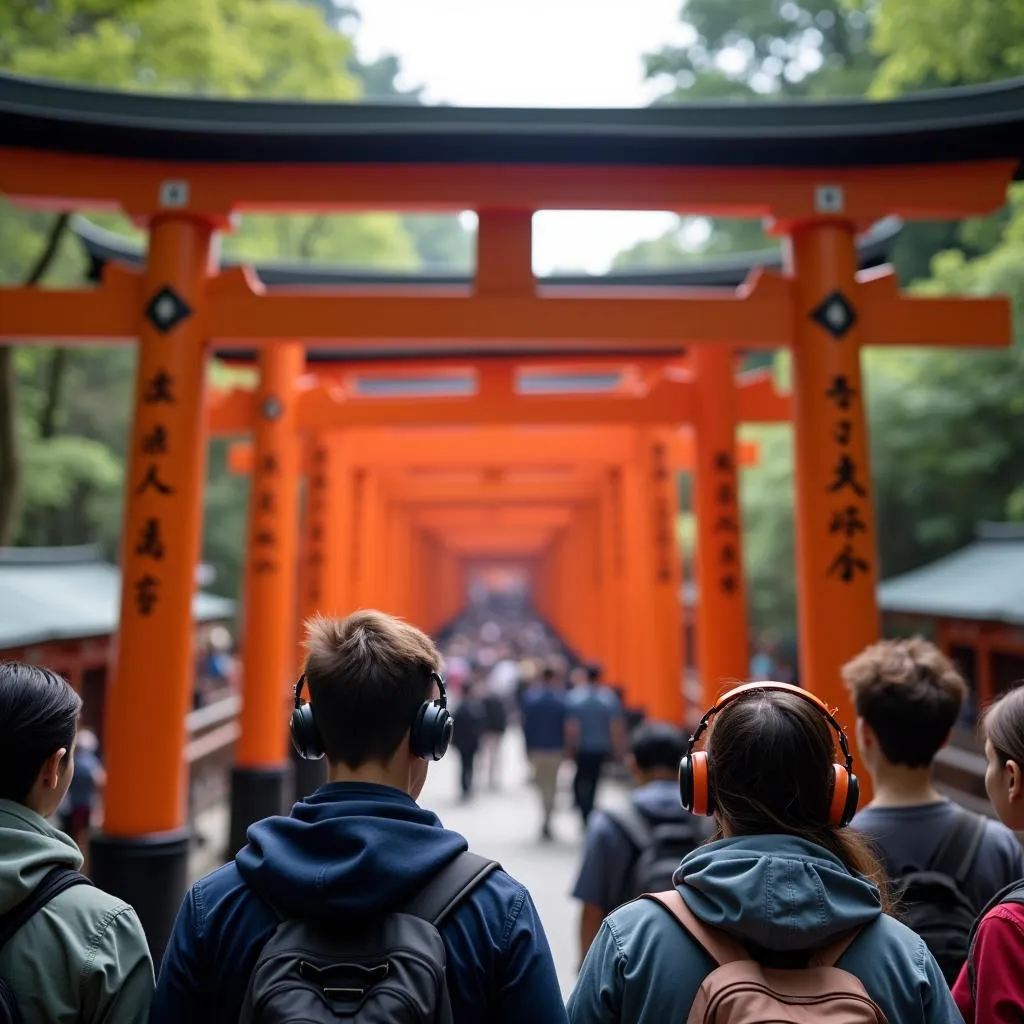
[696, 790]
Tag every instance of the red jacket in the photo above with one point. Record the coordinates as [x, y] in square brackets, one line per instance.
[998, 955]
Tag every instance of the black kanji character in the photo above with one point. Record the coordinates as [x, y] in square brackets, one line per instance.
[728, 584]
[316, 533]
[725, 493]
[155, 442]
[723, 462]
[727, 555]
[841, 393]
[146, 594]
[847, 522]
[150, 542]
[263, 565]
[152, 480]
[320, 456]
[664, 574]
[319, 482]
[270, 464]
[266, 538]
[845, 473]
[159, 389]
[844, 428]
[266, 502]
[847, 564]
[316, 559]
[726, 524]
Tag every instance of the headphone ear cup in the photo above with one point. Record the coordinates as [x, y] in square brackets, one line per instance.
[431, 732]
[695, 784]
[845, 795]
[305, 736]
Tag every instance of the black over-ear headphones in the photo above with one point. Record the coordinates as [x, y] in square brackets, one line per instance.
[429, 735]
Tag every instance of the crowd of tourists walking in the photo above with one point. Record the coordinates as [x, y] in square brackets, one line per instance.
[742, 881]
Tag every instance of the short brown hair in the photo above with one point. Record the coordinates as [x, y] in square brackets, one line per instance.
[910, 694]
[1003, 725]
[367, 677]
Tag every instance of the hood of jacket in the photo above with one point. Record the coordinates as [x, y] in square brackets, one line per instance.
[776, 891]
[31, 847]
[350, 849]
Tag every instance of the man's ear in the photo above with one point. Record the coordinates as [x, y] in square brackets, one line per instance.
[53, 768]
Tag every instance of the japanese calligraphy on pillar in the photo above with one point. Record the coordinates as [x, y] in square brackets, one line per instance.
[727, 527]
[848, 486]
[315, 511]
[264, 538]
[148, 544]
[663, 525]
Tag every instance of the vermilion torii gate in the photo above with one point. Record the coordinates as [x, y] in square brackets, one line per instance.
[183, 167]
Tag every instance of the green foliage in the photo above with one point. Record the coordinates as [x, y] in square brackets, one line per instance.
[947, 42]
[72, 482]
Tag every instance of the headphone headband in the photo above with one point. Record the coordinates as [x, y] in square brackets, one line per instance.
[737, 692]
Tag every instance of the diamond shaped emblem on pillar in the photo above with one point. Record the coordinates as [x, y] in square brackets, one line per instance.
[835, 314]
[167, 309]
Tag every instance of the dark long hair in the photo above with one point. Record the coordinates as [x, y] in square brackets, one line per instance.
[771, 756]
[38, 716]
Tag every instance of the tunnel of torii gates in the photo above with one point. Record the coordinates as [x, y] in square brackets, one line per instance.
[591, 510]
[184, 167]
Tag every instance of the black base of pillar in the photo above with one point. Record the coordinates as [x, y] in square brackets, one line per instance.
[150, 872]
[256, 793]
[309, 775]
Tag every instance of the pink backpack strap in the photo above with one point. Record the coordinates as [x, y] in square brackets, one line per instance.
[722, 948]
[830, 955]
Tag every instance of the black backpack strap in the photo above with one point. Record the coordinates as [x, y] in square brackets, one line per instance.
[55, 882]
[955, 854]
[456, 880]
[633, 823]
[1012, 893]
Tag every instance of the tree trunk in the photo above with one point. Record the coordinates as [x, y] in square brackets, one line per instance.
[10, 457]
[54, 385]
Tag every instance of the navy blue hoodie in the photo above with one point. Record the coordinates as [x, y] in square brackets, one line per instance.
[353, 852]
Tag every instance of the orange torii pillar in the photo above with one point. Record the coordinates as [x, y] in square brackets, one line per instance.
[665, 697]
[722, 625]
[611, 579]
[261, 783]
[835, 517]
[142, 853]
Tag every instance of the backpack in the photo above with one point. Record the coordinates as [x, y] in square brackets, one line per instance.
[659, 846]
[1012, 893]
[55, 882]
[391, 969]
[932, 902]
[739, 990]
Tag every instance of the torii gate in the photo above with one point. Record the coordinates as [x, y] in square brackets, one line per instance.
[184, 166]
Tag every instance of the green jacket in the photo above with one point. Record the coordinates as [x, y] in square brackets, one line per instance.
[83, 958]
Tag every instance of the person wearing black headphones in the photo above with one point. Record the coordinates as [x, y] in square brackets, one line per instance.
[785, 902]
[360, 851]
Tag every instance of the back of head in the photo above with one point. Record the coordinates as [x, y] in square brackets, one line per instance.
[657, 746]
[771, 755]
[910, 694]
[367, 677]
[1003, 725]
[593, 673]
[38, 716]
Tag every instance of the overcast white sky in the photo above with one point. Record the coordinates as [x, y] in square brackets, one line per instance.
[534, 53]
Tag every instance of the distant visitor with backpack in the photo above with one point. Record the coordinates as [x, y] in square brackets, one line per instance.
[990, 989]
[636, 848]
[779, 918]
[359, 906]
[944, 862]
[69, 953]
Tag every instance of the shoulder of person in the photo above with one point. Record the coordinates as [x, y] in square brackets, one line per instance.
[91, 920]
[998, 836]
